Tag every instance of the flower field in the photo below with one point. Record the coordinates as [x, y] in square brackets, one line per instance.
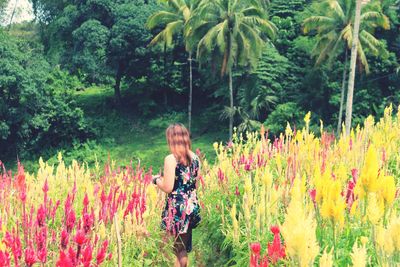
[299, 200]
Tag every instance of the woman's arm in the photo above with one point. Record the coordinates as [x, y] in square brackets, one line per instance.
[166, 183]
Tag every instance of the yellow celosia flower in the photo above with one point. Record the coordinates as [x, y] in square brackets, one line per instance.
[359, 255]
[368, 181]
[387, 189]
[333, 204]
[298, 230]
[307, 118]
[375, 209]
[326, 259]
[235, 223]
[288, 130]
[384, 240]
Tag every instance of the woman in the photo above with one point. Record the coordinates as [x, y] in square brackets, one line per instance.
[180, 181]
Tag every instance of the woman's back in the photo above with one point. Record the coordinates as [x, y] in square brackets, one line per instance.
[186, 176]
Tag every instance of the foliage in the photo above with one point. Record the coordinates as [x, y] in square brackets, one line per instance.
[283, 114]
[35, 111]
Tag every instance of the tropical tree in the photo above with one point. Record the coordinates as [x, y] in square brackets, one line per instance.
[173, 18]
[334, 25]
[230, 33]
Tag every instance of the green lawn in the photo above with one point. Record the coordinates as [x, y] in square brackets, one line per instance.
[123, 136]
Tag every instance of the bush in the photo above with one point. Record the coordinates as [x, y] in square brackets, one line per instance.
[288, 112]
[36, 110]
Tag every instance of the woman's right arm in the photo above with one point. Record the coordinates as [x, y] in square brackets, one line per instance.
[166, 184]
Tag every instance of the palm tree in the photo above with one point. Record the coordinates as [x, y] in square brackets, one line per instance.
[334, 27]
[354, 49]
[174, 18]
[229, 33]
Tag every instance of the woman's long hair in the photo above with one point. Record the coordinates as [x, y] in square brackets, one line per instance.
[179, 143]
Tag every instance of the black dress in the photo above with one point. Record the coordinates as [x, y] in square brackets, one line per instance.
[182, 210]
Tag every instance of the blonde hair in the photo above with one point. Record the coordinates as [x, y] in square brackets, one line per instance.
[179, 143]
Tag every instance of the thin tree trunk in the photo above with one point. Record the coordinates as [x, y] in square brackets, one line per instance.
[350, 90]
[117, 86]
[339, 125]
[165, 76]
[231, 105]
[12, 15]
[190, 91]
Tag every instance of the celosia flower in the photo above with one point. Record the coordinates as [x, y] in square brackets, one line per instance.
[276, 250]
[299, 229]
[70, 220]
[87, 256]
[41, 216]
[359, 255]
[326, 259]
[80, 237]
[368, 181]
[101, 254]
[4, 259]
[64, 260]
[255, 248]
[64, 239]
[255, 254]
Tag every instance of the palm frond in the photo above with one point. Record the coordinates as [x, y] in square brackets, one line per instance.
[362, 57]
[161, 18]
[336, 7]
[316, 23]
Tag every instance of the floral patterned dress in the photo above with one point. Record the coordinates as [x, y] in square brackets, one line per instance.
[182, 208]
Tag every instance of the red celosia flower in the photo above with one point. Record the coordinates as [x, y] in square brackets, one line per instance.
[70, 221]
[80, 238]
[102, 252]
[87, 256]
[275, 229]
[64, 239]
[85, 203]
[4, 259]
[45, 187]
[255, 254]
[255, 248]
[30, 257]
[88, 220]
[313, 193]
[264, 262]
[276, 250]
[41, 216]
[237, 193]
[64, 260]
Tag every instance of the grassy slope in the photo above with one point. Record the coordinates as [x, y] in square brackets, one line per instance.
[123, 136]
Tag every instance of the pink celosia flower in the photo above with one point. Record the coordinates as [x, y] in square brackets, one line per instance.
[101, 254]
[276, 250]
[64, 239]
[4, 259]
[64, 260]
[87, 256]
[80, 237]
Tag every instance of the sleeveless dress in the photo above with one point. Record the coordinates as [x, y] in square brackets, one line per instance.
[182, 210]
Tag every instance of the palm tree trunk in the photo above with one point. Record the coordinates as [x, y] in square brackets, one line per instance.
[117, 86]
[231, 105]
[12, 14]
[339, 125]
[350, 90]
[190, 91]
[165, 76]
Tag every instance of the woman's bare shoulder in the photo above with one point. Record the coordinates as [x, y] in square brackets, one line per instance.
[170, 158]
